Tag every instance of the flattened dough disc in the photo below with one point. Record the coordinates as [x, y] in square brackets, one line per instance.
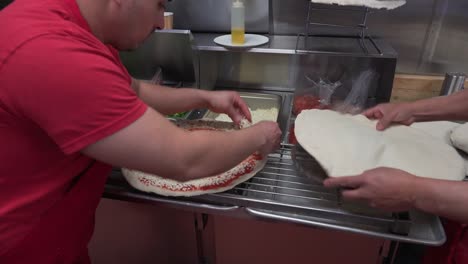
[349, 145]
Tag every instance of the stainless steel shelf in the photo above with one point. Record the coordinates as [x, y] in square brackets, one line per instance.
[283, 44]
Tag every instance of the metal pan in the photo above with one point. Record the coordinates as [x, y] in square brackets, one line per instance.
[307, 165]
[255, 101]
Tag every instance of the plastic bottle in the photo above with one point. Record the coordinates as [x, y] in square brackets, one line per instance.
[238, 22]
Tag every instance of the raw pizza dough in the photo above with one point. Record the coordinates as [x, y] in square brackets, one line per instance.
[443, 130]
[439, 129]
[242, 172]
[459, 137]
[377, 4]
[349, 145]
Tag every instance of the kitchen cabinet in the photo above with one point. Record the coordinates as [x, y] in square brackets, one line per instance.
[138, 233]
[128, 232]
[250, 241]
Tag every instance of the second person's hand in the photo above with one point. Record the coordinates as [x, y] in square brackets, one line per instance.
[389, 113]
[384, 188]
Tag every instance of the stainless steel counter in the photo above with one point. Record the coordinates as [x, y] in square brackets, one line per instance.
[430, 36]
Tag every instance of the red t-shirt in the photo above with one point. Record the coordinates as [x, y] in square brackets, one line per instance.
[61, 89]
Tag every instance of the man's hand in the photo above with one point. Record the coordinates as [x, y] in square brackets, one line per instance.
[385, 188]
[387, 114]
[230, 103]
[272, 135]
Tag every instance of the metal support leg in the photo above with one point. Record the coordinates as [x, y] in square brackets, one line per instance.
[363, 31]
[390, 259]
[309, 16]
[201, 221]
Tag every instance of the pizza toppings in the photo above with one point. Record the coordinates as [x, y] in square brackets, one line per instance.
[259, 114]
[244, 123]
[292, 136]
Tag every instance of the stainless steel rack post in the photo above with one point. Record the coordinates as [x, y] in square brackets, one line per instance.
[361, 28]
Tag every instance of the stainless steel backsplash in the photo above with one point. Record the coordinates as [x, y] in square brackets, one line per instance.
[430, 36]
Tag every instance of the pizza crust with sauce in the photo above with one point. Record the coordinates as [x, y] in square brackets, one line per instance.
[213, 184]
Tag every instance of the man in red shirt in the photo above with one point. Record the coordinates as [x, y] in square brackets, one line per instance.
[69, 111]
[396, 190]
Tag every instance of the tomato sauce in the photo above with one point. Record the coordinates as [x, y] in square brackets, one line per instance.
[304, 102]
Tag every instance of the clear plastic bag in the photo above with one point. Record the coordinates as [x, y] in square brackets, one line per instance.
[316, 96]
[356, 100]
[325, 89]
[348, 93]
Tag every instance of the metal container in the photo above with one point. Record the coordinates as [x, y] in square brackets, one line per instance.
[255, 101]
[453, 82]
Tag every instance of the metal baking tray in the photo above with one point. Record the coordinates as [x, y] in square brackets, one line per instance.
[255, 101]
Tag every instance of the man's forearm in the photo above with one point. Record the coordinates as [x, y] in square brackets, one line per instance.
[452, 107]
[235, 145]
[170, 100]
[444, 198]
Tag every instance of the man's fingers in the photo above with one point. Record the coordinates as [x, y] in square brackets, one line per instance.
[369, 113]
[383, 123]
[355, 194]
[407, 122]
[244, 109]
[378, 115]
[373, 113]
[236, 117]
[344, 182]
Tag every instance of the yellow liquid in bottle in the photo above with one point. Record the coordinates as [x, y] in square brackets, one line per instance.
[238, 36]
